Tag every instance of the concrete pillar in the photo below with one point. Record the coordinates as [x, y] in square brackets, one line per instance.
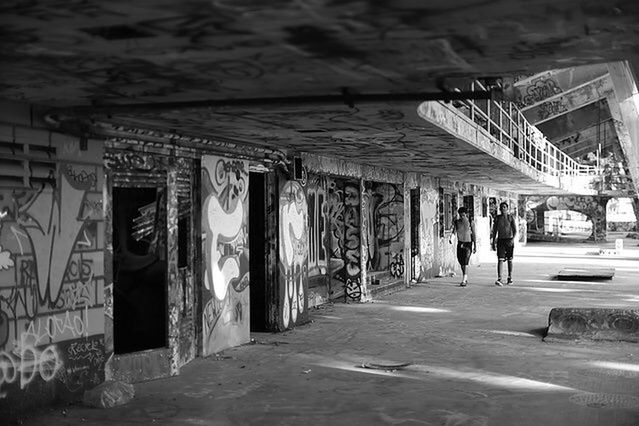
[407, 230]
[364, 227]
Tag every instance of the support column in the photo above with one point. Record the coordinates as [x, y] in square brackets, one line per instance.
[407, 230]
[364, 229]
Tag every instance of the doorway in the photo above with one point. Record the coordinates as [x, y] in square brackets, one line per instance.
[257, 243]
[139, 269]
[414, 233]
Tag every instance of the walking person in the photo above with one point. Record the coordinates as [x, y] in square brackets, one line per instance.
[502, 239]
[465, 231]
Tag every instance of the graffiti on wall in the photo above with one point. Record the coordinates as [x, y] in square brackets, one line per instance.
[594, 208]
[344, 235]
[293, 253]
[386, 233]
[51, 283]
[317, 228]
[539, 89]
[225, 253]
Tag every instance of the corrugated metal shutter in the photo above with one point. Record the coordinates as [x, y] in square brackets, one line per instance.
[27, 164]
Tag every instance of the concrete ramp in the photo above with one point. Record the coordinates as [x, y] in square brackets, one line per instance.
[586, 274]
[593, 324]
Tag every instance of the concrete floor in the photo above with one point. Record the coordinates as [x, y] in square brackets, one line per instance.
[476, 358]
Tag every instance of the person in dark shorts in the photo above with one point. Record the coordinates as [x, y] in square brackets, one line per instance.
[502, 239]
[465, 231]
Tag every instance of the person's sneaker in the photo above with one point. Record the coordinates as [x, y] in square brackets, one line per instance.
[510, 281]
[498, 283]
[463, 284]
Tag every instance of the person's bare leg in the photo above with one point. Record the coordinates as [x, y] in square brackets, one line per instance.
[500, 267]
[510, 271]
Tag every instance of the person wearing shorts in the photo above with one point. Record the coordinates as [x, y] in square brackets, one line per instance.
[465, 231]
[502, 239]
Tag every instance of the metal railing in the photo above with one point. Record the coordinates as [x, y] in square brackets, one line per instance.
[505, 123]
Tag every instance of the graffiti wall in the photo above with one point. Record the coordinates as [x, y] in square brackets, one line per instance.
[52, 275]
[318, 226]
[594, 208]
[294, 244]
[225, 297]
[386, 231]
[344, 237]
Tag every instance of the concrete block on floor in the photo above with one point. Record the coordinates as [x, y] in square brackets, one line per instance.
[593, 324]
[589, 274]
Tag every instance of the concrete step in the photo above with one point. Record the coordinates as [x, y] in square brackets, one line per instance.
[593, 324]
[388, 287]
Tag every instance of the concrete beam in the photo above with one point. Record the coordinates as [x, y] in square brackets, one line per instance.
[569, 100]
[565, 125]
[624, 109]
[594, 324]
[539, 87]
[584, 141]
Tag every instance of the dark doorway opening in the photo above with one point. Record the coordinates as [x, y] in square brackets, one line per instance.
[469, 203]
[257, 244]
[414, 232]
[139, 269]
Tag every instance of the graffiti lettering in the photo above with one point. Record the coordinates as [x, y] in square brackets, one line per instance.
[89, 351]
[81, 178]
[550, 109]
[27, 362]
[129, 161]
[539, 89]
[22, 299]
[79, 269]
[397, 265]
[56, 326]
[75, 295]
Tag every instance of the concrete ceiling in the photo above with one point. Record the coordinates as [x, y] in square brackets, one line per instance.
[401, 139]
[143, 53]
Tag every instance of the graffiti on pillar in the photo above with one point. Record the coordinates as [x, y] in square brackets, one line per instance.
[344, 217]
[225, 297]
[551, 217]
[293, 253]
[386, 232]
[51, 280]
[317, 228]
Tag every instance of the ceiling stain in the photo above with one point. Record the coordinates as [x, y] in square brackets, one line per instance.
[321, 43]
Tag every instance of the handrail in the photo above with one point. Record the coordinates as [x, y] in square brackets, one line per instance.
[505, 123]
